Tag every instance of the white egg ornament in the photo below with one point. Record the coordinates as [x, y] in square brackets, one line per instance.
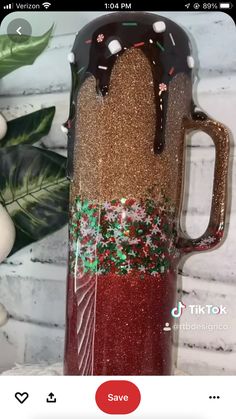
[8, 233]
[3, 315]
[3, 126]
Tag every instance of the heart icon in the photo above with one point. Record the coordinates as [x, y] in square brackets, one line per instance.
[21, 397]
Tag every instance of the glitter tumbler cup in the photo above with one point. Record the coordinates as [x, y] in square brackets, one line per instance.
[131, 107]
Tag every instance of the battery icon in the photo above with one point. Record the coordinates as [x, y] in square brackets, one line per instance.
[226, 5]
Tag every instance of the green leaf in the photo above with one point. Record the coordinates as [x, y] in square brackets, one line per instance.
[29, 128]
[14, 55]
[34, 190]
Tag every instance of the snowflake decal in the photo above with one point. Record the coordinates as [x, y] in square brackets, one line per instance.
[100, 38]
[162, 88]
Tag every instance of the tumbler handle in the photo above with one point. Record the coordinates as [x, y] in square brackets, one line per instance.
[215, 229]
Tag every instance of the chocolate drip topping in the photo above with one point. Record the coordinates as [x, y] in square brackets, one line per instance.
[162, 41]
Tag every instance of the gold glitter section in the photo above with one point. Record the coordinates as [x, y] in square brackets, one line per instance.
[113, 154]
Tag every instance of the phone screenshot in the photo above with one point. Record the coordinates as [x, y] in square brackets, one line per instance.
[117, 210]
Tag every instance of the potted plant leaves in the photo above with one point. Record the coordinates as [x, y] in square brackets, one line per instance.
[33, 184]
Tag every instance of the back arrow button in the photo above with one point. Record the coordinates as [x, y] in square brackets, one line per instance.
[19, 30]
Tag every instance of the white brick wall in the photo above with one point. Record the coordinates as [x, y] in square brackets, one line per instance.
[32, 282]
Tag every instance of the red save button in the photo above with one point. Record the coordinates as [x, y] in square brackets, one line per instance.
[118, 397]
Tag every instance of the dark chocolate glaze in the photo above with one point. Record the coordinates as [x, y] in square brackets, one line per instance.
[167, 53]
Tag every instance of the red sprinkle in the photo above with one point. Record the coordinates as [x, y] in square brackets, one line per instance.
[171, 71]
[89, 41]
[139, 44]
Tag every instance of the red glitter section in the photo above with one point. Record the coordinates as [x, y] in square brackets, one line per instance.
[71, 339]
[128, 337]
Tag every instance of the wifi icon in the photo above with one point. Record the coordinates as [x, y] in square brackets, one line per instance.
[46, 4]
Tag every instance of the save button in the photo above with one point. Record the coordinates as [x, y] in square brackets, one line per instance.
[118, 397]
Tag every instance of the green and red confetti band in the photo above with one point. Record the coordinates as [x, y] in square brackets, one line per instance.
[121, 236]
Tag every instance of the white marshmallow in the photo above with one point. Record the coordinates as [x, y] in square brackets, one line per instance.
[159, 26]
[190, 61]
[114, 46]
